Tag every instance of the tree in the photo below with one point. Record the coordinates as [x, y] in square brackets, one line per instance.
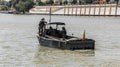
[20, 6]
[60, 2]
[51, 2]
[4, 7]
[9, 4]
[29, 4]
[23, 5]
[40, 3]
[88, 1]
[107, 1]
[74, 1]
[65, 2]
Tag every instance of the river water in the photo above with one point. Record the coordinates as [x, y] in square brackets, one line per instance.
[19, 46]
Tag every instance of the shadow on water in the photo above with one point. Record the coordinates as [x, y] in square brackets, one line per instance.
[47, 52]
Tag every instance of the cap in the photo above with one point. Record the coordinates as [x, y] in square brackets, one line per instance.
[43, 19]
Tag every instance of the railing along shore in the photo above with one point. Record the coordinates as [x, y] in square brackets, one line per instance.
[99, 10]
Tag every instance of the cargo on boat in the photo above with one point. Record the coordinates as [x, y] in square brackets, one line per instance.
[55, 37]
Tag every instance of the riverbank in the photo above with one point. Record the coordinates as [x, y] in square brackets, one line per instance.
[79, 10]
[65, 15]
[6, 12]
[76, 10]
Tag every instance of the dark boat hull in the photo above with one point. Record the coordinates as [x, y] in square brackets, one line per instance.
[69, 45]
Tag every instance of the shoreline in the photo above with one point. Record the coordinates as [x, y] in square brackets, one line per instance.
[75, 10]
[6, 12]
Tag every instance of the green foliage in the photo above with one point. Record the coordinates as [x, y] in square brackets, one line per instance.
[60, 2]
[2, 2]
[65, 2]
[20, 6]
[107, 1]
[88, 1]
[4, 7]
[9, 4]
[29, 4]
[23, 5]
[40, 3]
[74, 1]
[51, 2]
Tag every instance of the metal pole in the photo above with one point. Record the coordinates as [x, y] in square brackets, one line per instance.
[116, 8]
[110, 9]
[72, 9]
[50, 15]
[80, 9]
[85, 8]
[68, 10]
[105, 9]
[99, 8]
[94, 9]
[76, 10]
[89, 9]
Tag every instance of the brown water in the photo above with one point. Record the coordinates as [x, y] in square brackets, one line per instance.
[19, 46]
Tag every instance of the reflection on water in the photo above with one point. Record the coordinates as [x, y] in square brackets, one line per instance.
[56, 56]
[19, 46]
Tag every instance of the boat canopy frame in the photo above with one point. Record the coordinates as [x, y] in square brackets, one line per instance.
[56, 23]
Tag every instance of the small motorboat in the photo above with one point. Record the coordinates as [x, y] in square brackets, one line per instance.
[54, 38]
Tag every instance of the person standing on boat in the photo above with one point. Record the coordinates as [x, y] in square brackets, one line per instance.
[42, 26]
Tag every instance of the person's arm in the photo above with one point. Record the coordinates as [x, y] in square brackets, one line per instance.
[45, 22]
[39, 23]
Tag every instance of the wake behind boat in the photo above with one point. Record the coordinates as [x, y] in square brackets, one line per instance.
[55, 36]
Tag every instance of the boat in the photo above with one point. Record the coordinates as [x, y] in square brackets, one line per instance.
[55, 39]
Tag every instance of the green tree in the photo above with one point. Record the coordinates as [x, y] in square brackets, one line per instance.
[40, 3]
[23, 5]
[74, 1]
[51, 2]
[9, 4]
[29, 4]
[4, 7]
[20, 6]
[88, 1]
[65, 2]
[60, 2]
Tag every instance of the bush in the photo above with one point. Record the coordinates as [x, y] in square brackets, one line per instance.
[88, 1]
[4, 7]
[65, 2]
[23, 6]
[29, 4]
[74, 1]
[40, 3]
[20, 6]
[60, 2]
[51, 2]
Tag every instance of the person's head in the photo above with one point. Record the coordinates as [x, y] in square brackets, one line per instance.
[63, 28]
[43, 19]
[50, 27]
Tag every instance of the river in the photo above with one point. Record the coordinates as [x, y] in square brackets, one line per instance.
[19, 46]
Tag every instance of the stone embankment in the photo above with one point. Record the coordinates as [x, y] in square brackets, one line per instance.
[83, 10]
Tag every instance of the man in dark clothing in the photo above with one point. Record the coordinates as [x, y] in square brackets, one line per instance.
[51, 31]
[42, 26]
